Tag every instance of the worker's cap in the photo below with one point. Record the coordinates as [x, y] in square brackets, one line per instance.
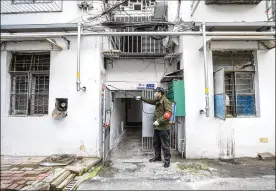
[159, 89]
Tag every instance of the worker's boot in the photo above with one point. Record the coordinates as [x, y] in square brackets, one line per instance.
[155, 159]
[167, 164]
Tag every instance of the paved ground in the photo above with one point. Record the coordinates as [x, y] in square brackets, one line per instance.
[19, 172]
[129, 169]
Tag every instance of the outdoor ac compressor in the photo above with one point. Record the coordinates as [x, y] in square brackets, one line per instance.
[60, 110]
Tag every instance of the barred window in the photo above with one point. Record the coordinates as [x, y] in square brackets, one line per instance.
[29, 84]
[234, 83]
[30, 1]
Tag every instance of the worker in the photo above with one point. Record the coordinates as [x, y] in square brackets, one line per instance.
[162, 114]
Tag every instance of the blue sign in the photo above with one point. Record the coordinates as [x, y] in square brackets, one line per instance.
[150, 86]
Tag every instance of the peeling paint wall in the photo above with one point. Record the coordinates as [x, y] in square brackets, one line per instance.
[212, 137]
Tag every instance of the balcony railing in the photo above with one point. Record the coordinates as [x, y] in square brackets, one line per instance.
[126, 47]
[30, 6]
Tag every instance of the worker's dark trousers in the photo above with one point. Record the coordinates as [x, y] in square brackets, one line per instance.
[162, 139]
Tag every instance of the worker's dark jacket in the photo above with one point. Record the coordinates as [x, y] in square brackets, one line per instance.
[161, 106]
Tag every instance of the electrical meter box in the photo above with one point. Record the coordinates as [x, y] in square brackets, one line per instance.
[176, 94]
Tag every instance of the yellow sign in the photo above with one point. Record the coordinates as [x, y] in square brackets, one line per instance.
[263, 140]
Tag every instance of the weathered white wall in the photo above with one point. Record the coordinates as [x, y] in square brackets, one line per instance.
[127, 74]
[44, 135]
[70, 12]
[224, 13]
[117, 116]
[205, 136]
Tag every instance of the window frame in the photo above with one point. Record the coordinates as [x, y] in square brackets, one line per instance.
[234, 72]
[31, 86]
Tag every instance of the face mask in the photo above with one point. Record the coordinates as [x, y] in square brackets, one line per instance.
[155, 94]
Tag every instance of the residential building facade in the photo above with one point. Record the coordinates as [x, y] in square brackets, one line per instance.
[239, 120]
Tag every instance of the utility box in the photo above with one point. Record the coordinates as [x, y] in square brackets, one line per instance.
[176, 93]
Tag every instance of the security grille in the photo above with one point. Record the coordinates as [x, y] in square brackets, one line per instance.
[147, 128]
[29, 84]
[137, 5]
[30, 6]
[30, 1]
[239, 82]
[135, 44]
[173, 137]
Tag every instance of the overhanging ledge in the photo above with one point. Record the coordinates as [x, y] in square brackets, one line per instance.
[254, 43]
[57, 27]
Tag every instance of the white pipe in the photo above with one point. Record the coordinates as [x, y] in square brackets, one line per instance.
[7, 36]
[78, 57]
[207, 108]
[193, 11]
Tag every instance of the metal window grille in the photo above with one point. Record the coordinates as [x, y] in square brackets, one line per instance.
[30, 6]
[30, 1]
[29, 84]
[239, 81]
[135, 44]
[173, 137]
[142, 4]
[271, 10]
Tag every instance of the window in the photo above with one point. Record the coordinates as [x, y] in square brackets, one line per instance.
[30, 1]
[137, 7]
[29, 84]
[234, 84]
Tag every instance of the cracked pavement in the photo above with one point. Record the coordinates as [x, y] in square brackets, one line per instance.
[129, 169]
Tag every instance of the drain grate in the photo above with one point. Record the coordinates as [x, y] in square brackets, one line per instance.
[71, 185]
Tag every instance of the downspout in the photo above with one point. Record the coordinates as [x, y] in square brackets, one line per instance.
[207, 108]
[78, 58]
[193, 10]
[178, 10]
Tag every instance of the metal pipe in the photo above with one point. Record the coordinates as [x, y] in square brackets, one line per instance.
[78, 57]
[193, 11]
[207, 108]
[8, 36]
[123, 90]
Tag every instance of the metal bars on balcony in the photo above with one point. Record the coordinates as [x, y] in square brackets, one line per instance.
[136, 46]
[30, 6]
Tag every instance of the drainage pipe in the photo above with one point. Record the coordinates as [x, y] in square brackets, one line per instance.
[78, 57]
[207, 108]
[193, 11]
[15, 36]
